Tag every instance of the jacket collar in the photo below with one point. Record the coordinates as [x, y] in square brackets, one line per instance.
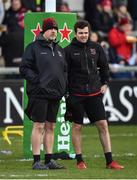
[43, 41]
[79, 44]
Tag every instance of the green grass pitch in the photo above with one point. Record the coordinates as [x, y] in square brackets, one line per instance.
[124, 148]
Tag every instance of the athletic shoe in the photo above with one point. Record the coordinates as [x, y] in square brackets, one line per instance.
[54, 165]
[38, 166]
[114, 165]
[81, 165]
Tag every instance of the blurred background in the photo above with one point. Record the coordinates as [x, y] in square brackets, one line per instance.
[114, 26]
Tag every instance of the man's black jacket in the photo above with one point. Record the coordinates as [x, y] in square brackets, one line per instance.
[43, 66]
[87, 67]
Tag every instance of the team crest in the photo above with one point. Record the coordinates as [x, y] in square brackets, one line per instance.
[93, 51]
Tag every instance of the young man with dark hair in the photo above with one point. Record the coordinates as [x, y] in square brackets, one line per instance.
[88, 76]
[44, 68]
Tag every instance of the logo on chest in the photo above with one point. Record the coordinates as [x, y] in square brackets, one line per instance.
[43, 53]
[93, 51]
[76, 54]
[59, 53]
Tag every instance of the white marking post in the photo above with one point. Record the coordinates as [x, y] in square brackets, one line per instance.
[50, 5]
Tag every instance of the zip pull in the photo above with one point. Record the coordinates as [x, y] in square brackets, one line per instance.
[86, 56]
[52, 50]
[87, 87]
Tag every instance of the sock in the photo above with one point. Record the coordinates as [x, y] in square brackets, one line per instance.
[48, 157]
[79, 158]
[108, 157]
[36, 158]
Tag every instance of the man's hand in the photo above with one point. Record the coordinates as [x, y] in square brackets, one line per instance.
[131, 39]
[104, 88]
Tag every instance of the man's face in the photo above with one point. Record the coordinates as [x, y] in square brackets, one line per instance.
[107, 8]
[50, 34]
[126, 28]
[82, 35]
[16, 4]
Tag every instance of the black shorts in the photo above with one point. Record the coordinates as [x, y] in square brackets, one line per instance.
[41, 110]
[92, 106]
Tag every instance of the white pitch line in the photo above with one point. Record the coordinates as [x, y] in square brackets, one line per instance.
[27, 175]
[6, 152]
[115, 135]
[21, 160]
[124, 135]
[2, 175]
[95, 156]
[41, 175]
[114, 155]
[117, 155]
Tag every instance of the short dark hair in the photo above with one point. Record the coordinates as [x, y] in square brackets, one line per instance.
[82, 24]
